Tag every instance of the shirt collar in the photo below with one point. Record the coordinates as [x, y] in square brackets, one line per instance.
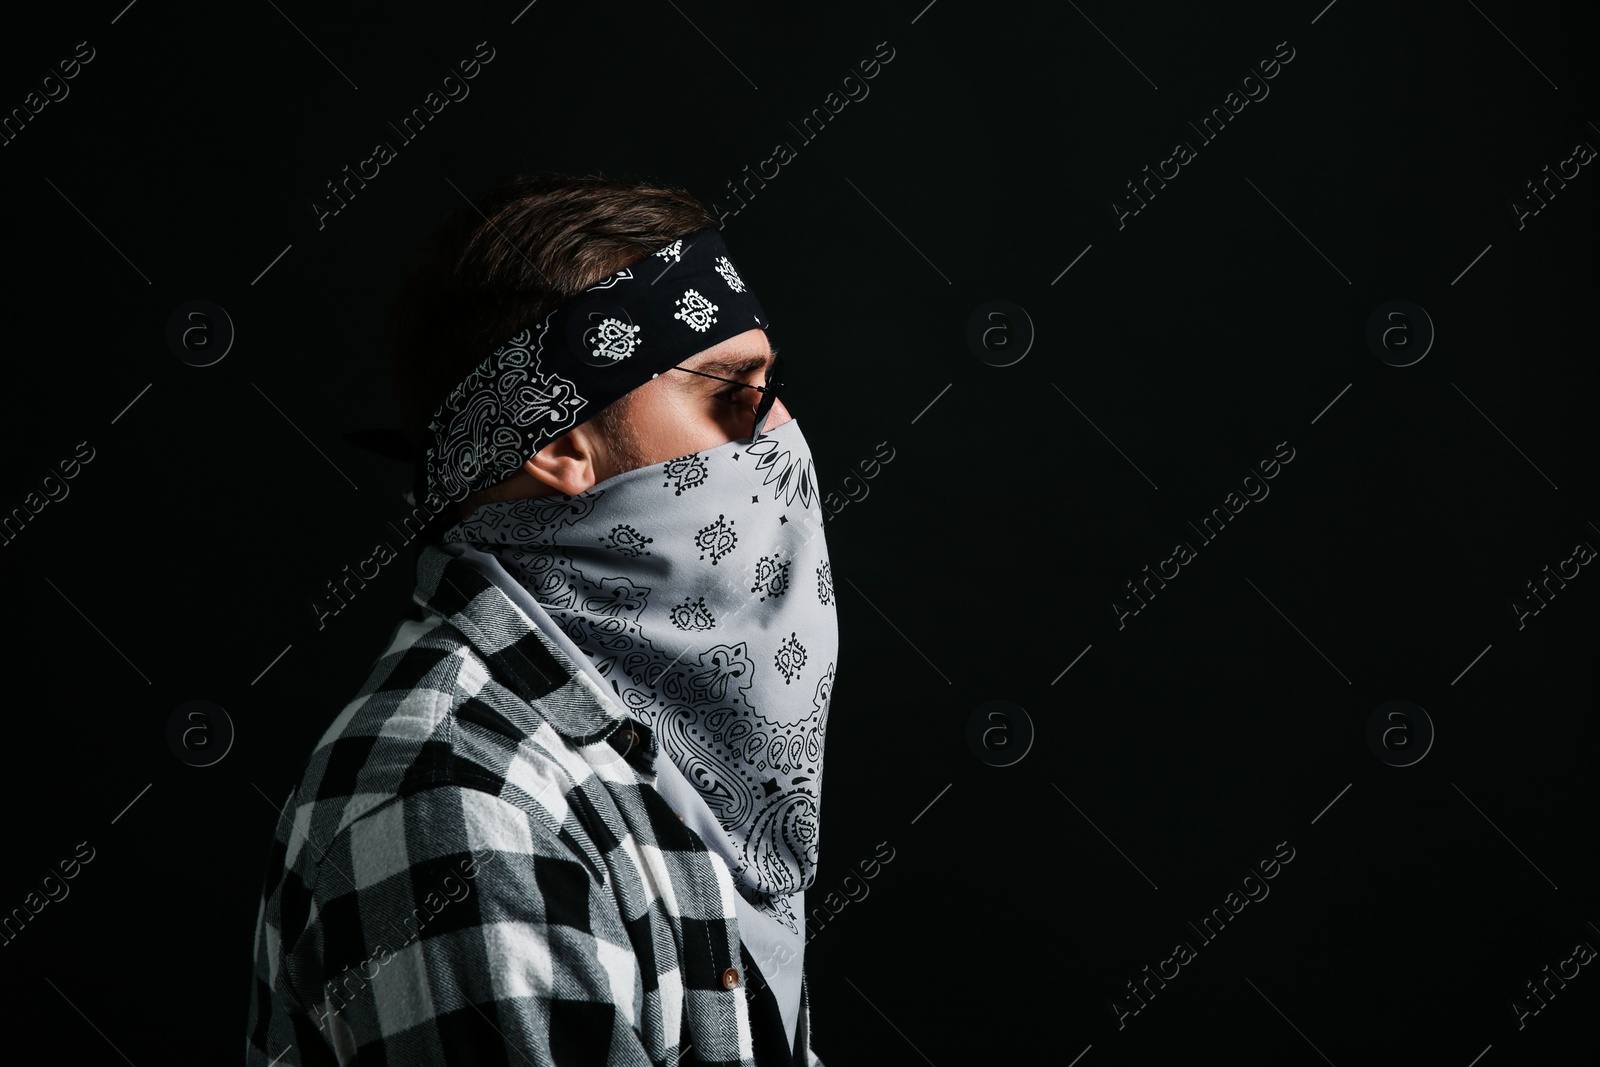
[523, 659]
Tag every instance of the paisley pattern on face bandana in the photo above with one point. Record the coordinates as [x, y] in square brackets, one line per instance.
[700, 588]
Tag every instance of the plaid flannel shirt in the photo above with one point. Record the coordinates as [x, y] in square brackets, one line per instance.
[475, 868]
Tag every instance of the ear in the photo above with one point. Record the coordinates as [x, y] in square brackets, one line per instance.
[567, 464]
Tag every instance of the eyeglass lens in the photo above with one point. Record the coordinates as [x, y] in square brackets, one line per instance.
[768, 398]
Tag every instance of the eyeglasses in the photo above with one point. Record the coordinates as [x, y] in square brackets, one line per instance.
[769, 393]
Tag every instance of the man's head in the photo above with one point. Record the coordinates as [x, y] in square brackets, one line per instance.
[525, 247]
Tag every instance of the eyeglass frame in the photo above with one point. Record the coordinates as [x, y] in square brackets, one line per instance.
[768, 390]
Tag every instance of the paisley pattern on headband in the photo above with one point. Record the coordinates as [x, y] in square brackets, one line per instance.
[729, 275]
[614, 340]
[679, 582]
[696, 310]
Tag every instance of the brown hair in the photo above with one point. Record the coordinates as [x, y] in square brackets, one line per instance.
[522, 248]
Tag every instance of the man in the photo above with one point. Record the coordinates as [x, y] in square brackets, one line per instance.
[571, 816]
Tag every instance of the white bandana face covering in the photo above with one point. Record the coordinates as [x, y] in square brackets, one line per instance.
[700, 588]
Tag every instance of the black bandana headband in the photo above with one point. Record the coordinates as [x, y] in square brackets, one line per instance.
[613, 337]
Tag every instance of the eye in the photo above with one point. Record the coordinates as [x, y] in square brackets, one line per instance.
[732, 395]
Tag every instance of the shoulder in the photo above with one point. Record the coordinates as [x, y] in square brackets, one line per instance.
[434, 760]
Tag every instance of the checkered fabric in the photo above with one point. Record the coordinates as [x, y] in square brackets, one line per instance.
[475, 868]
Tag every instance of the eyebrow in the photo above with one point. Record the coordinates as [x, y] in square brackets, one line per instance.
[734, 365]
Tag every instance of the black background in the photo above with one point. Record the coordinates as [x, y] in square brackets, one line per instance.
[1222, 319]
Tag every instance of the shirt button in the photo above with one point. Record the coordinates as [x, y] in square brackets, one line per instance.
[628, 737]
[730, 977]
